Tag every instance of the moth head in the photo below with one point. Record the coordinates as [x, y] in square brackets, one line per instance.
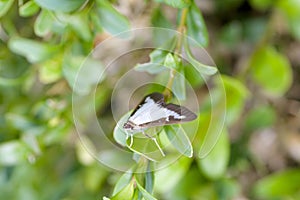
[128, 126]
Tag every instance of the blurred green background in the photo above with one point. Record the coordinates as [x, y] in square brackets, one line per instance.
[256, 47]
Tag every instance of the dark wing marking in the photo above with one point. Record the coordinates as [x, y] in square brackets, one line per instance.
[157, 97]
[183, 111]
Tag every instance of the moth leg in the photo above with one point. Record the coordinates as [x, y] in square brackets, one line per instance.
[131, 138]
[155, 140]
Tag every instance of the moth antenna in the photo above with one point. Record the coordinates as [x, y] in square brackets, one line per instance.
[156, 143]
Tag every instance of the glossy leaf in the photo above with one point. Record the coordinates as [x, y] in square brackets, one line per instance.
[149, 180]
[120, 135]
[111, 20]
[157, 58]
[170, 61]
[61, 5]
[278, 185]
[43, 23]
[28, 9]
[176, 3]
[151, 68]
[192, 76]
[179, 139]
[5, 6]
[146, 195]
[126, 193]
[236, 95]
[34, 51]
[271, 70]
[122, 182]
[196, 27]
[215, 163]
[178, 87]
[200, 67]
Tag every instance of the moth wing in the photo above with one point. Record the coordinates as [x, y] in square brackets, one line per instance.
[158, 98]
[185, 114]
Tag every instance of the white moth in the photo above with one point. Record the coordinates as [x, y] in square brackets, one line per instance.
[153, 111]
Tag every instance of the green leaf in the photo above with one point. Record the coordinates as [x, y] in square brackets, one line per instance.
[176, 3]
[179, 139]
[260, 117]
[91, 73]
[79, 23]
[167, 178]
[5, 6]
[12, 153]
[170, 61]
[50, 70]
[158, 19]
[126, 193]
[196, 26]
[123, 182]
[278, 185]
[43, 23]
[271, 70]
[192, 76]
[228, 188]
[291, 10]
[157, 58]
[178, 87]
[214, 165]
[151, 68]
[261, 4]
[236, 95]
[149, 179]
[61, 5]
[146, 195]
[34, 51]
[28, 9]
[111, 20]
[120, 134]
[200, 67]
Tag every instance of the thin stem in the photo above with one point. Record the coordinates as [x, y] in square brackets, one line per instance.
[181, 29]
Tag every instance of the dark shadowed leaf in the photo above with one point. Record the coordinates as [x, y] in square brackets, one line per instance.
[196, 27]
